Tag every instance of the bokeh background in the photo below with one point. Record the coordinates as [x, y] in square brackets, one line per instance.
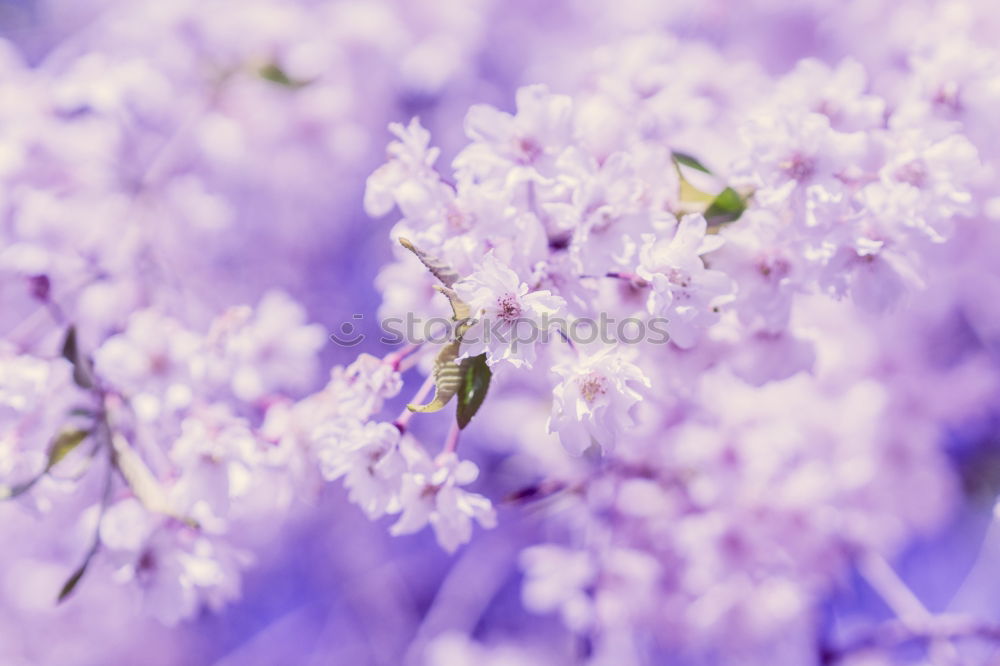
[241, 133]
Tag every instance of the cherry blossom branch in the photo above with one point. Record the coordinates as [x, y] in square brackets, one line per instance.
[568, 340]
[396, 358]
[402, 421]
[912, 613]
[884, 580]
[634, 279]
[893, 633]
[102, 432]
[631, 278]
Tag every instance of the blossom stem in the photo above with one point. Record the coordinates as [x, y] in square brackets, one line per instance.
[396, 358]
[95, 544]
[402, 421]
[904, 603]
[891, 588]
[451, 443]
[568, 340]
[409, 362]
[893, 633]
[631, 277]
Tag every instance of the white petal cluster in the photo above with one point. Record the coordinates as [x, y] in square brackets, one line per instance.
[810, 242]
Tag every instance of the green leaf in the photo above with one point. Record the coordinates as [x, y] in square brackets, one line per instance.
[76, 576]
[65, 441]
[72, 581]
[442, 271]
[83, 374]
[447, 378]
[275, 74]
[727, 206]
[475, 382]
[63, 444]
[689, 161]
[692, 195]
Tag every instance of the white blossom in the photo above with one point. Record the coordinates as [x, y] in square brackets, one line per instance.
[682, 289]
[367, 457]
[509, 319]
[431, 493]
[594, 398]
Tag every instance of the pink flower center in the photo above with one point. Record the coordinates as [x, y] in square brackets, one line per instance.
[914, 173]
[529, 150]
[508, 307]
[593, 385]
[773, 268]
[799, 167]
[678, 277]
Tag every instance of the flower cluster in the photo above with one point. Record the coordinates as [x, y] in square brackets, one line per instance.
[385, 470]
[170, 418]
[801, 197]
[729, 477]
[160, 168]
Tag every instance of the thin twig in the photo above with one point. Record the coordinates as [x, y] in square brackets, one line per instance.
[908, 608]
[451, 443]
[894, 633]
[403, 420]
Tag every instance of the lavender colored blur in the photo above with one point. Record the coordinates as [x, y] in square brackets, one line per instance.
[197, 193]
